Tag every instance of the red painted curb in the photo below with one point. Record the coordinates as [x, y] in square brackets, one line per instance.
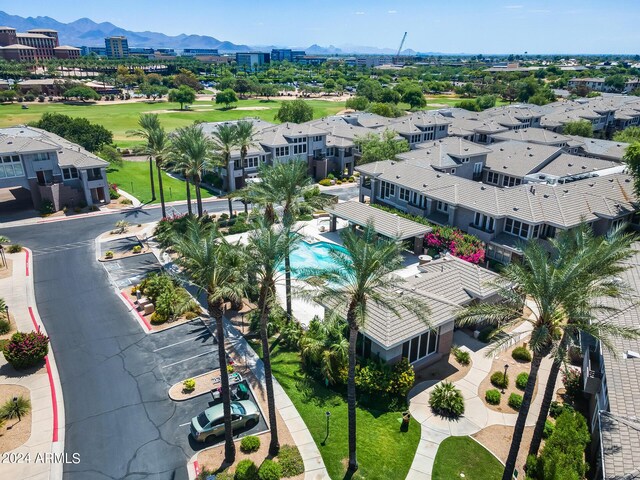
[33, 319]
[196, 467]
[27, 260]
[144, 320]
[54, 400]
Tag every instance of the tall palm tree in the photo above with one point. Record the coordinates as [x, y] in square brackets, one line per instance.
[215, 267]
[563, 287]
[224, 139]
[147, 122]
[286, 185]
[159, 148]
[245, 139]
[265, 251]
[193, 154]
[601, 260]
[360, 276]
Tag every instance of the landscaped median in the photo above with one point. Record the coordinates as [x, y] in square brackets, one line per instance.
[463, 457]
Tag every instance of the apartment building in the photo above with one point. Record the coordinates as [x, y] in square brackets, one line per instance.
[116, 47]
[599, 84]
[35, 44]
[38, 166]
[252, 60]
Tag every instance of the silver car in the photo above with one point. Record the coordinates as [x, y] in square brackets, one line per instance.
[210, 423]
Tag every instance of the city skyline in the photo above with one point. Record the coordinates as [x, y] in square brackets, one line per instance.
[490, 27]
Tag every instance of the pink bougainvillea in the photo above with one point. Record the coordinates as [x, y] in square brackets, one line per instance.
[461, 245]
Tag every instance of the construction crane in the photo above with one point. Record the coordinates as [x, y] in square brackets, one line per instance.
[397, 59]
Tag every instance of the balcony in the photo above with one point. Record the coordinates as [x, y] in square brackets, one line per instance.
[592, 372]
[482, 233]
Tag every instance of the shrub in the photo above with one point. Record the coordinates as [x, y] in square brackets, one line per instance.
[108, 254]
[548, 429]
[290, 461]
[189, 385]
[14, 248]
[447, 400]
[338, 182]
[462, 356]
[269, 470]
[137, 249]
[25, 350]
[5, 326]
[249, 444]
[290, 335]
[402, 378]
[11, 409]
[486, 333]
[371, 378]
[325, 182]
[515, 401]
[113, 192]
[126, 201]
[157, 318]
[122, 226]
[571, 381]
[500, 379]
[493, 396]
[246, 470]
[556, 409]
[47, 208]
[522, 354]
[521, 380]
[190, 315]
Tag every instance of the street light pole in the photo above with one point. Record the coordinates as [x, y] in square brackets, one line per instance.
[504, 379]
[328, 415]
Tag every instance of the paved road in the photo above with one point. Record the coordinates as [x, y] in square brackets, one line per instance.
[115, 392]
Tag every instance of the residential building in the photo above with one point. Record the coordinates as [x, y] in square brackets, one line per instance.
[33, 45]
[599, 84]
[285, 54]
[116, 47]
[598, 148]
[252, 60]
[39, 166]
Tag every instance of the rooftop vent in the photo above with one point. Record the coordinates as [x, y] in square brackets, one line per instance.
[515, 209]
[397, 176]
[545, 195]
[631, 354]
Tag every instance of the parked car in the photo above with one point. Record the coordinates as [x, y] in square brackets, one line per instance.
[210, 423]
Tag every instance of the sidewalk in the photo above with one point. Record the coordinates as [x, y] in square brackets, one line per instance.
[476, 417]
[313, 463]
[47, 407]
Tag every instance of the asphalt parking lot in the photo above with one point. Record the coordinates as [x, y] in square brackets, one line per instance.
[131, 270]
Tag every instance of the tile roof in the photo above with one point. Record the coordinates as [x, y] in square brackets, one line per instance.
[566, 165]
[519, 159]
[601, 148]
[533, 135]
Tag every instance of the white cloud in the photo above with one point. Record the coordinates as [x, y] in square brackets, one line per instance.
[359, 13]
[392, 12]
[512, 7]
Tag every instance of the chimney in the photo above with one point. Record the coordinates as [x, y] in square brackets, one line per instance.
[532, 189]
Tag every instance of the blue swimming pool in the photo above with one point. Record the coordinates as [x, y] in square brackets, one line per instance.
[315, 255]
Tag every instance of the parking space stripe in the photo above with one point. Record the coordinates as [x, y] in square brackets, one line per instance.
[190, 358]
[178, 343]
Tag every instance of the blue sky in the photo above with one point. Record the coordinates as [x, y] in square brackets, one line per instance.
[450, 26]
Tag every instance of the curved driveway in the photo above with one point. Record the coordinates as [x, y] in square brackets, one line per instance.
[118, 417]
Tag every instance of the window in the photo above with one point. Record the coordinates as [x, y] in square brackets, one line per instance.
[477, 168]
[508, 181]
[498, 254]
[483, 222]
[317, 138]
[298, 149]
[442, 206]
[517, 228]
[11, 166]
[421, 346]
[464, 160]
[252, 162]
[492, 177]
[442, 128]
[388, 189]
[404, 194]
[69, 173]
[282, 151]
[452, 171]
[330, 151]
[41, 156]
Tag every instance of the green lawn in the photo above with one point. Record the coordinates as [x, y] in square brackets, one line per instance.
[463, 455]
[133, 178]
[124, 116]
[384, 451]
[451, 101]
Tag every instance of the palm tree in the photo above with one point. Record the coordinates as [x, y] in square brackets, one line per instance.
[564, 288]
[360, 276]
[601, 261]
[159, 148]
[245, 139]
[287, 185]
[193, 154]
[224, 138]
[325, 344]
[215, 267]
[147, 122]
[265, 251]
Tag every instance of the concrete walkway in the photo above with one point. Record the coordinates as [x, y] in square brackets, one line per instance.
[477, 416]
[313, 464]
[47, 407]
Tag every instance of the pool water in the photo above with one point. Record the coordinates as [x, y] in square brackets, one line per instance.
[316, 255]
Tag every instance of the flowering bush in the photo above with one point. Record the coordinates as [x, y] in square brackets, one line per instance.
[461, 245]
[113, 191]
[25, 350]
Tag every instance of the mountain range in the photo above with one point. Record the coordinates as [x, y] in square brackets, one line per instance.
[87, 32]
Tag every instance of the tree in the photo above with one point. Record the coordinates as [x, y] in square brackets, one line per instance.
[81, 93]
[295, 111]
[566, 289]
[192, 154]
[245, 140]
[242, 86]
[388, 110]
[414, 97]
[632, 159]
[362, 276]
[266, 251]
[358, 103]
[110, 154]
[226, 97]
[7, 96]
[182, 95]
[224, 140]
[153, 91]
[616, 82]
[268, 90]
[582, 128]
[628, 135]
[329, 85]
[467, 104]
[216, 268]
[391, 96]
[77, 130]
[188, 79]
[375, 148]
[324, 344]
[486, 101]
[369, 88]
[159, 148]
[147, 122]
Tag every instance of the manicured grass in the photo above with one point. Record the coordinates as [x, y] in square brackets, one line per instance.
[451, 101]
[463, 455]
[384, 452]
[121, 117]
[133, 178]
